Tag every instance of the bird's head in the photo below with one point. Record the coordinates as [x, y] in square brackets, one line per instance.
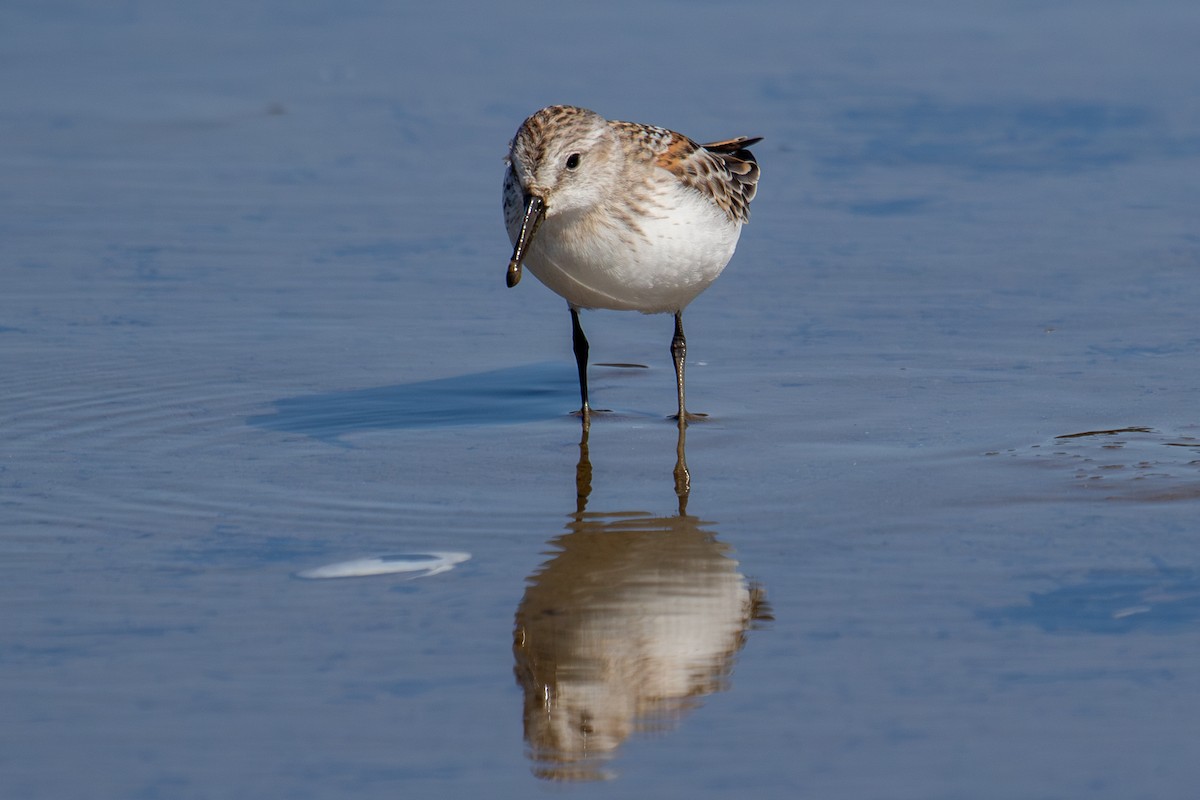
[563, 159]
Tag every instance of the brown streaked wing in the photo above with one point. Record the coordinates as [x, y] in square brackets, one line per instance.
[725, 171]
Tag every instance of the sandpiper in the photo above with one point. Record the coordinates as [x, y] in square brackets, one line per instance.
[623, 216]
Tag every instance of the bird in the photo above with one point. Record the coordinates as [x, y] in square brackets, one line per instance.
[624, 216]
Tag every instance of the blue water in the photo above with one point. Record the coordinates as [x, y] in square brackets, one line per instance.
[253, 321]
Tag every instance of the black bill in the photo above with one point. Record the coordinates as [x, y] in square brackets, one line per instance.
[535, 210]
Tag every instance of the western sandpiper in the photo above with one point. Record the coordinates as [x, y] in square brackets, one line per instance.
[623, 216]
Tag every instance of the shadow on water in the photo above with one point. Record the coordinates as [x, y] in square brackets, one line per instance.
[633, 620]
[1113, 601]
[498, 397]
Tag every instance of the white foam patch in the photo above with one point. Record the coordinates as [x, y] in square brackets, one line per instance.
[416, 565]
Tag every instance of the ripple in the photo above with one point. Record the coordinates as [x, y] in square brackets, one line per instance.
[1135, 463]
[136, 448]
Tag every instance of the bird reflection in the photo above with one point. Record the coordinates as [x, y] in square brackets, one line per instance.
[633, 620]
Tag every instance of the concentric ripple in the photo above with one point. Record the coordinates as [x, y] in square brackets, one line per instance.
[114, 450]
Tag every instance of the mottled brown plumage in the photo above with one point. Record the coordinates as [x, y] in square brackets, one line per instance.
[625, 216]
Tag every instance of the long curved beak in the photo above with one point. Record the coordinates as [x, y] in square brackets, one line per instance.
[535, 210]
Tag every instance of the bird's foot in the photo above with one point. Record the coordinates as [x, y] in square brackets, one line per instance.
[689, 416]
[587, 411]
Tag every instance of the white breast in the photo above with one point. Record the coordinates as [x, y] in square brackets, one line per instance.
[681, 242]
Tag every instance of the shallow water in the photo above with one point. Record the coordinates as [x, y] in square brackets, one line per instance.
[937, 538]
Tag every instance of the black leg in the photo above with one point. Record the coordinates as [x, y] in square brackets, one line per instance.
[679, 353]
[580, 344]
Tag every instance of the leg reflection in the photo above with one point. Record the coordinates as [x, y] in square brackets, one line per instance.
[631, 622]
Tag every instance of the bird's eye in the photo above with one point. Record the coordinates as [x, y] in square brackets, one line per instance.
[573, 161]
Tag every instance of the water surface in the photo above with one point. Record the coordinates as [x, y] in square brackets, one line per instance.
[937, 538]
